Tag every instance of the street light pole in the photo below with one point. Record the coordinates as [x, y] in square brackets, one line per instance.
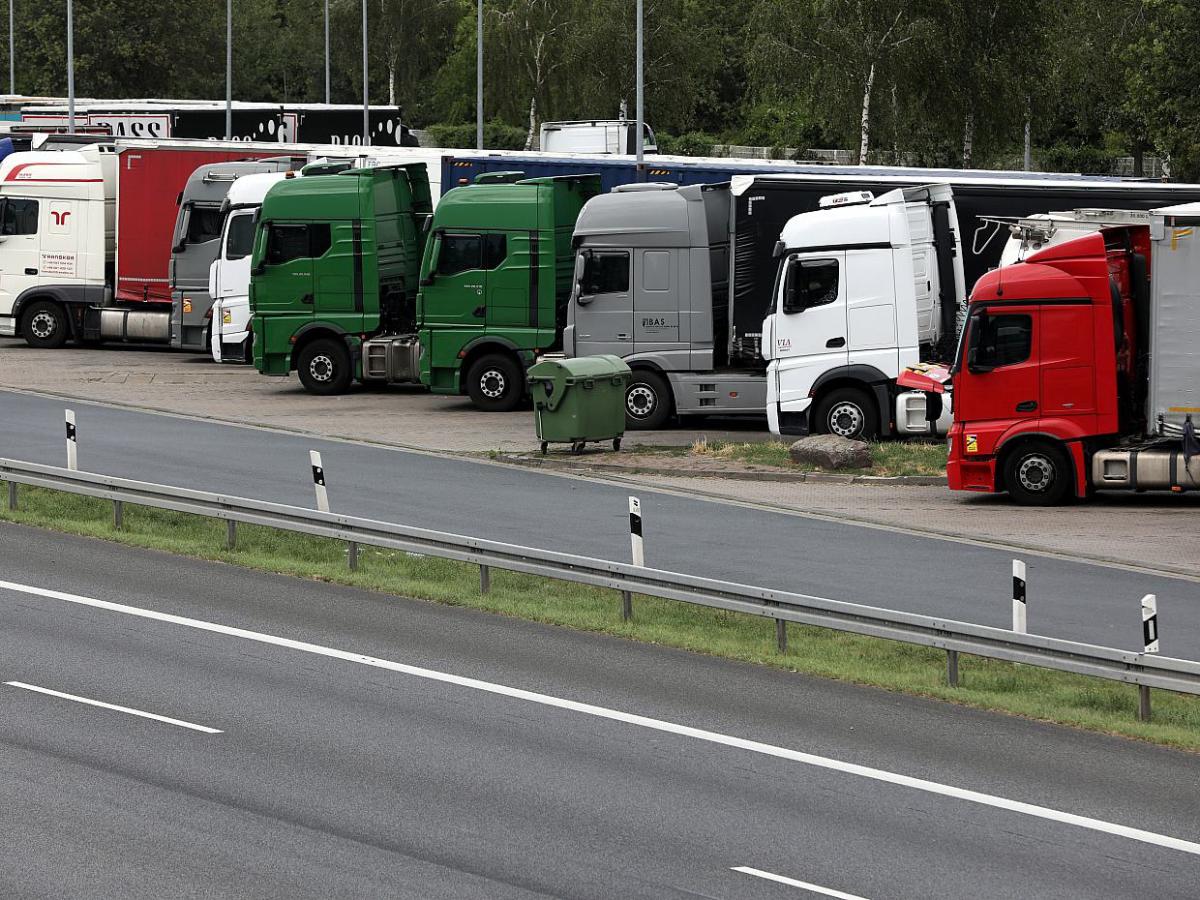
[12, 52]
[366, 103]
[479, 78]
[641, 91]
[228, 70]
[326, 52]
[70, 67]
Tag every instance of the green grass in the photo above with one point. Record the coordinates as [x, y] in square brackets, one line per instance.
[902, 457]
[1021, 690]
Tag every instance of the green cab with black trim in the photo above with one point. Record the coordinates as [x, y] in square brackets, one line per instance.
[355, 277]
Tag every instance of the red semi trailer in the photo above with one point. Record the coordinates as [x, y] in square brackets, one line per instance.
[1079, 369]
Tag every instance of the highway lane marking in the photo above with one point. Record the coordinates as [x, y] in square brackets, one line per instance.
[815, 888]
[601, 712]
[125, 709]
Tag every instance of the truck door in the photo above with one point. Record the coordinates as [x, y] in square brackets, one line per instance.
[284, 283]
[810, 322]
[604, 305]
[656, 298]
[997, 380]
[457, 295]
[20, 263]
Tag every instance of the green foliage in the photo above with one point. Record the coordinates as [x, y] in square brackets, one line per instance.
[497, 135]
[941, 81]
[693, 143]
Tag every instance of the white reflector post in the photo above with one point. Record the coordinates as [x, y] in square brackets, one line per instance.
[635, 531]
[1150, 623]
[1018, 597]
[318, 473]
[72, 442]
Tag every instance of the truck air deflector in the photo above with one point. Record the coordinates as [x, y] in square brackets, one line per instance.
[829, 248]
[358, 266]
[534, 263]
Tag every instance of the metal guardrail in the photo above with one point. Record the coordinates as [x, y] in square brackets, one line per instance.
[1146, 670]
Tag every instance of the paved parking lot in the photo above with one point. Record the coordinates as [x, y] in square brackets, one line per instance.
[196, 386]
[1157, 532]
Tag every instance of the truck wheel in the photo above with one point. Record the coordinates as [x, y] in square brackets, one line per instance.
[1037, 475]
[495, 383]
[44, 325]
[848, 413]
[324, 367]
[647, 401]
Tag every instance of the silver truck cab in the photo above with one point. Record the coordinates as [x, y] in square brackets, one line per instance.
[651, 285]
[195, 243]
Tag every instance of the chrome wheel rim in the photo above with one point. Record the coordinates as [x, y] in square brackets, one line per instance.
[43, 325]
[321, 368]
[640, 401]
[492, 384]
[846, 420]
[1036, 473]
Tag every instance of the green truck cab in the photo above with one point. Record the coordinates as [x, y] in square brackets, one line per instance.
[353, 277]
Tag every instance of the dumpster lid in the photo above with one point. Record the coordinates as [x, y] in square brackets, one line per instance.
[580, 367]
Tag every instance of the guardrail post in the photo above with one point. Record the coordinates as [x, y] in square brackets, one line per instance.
[1019, 606]
[12, 495]
[781, 635]
[72, 442]
[952, 667]
[230, 534]
[485, 579]
[637, 547]
[352, 555]
[1144, 702]
[118, 515]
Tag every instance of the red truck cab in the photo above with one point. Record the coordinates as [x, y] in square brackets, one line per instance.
[1049, 367]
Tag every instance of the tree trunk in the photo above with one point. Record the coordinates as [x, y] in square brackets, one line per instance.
[865, 143]
[1139, 160]
[968, 139]
[532, 121]
[1028, 135]
[391, 70]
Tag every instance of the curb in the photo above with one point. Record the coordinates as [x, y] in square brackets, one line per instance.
[535, 462]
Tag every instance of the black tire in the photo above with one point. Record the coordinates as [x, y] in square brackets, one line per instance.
[324, 367]
[648, 401]
[496, 383]
[848, 413]
[44, 325]
[1038, 474]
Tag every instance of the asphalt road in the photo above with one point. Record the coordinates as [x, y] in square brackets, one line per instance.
[875, 566]
[368, 763]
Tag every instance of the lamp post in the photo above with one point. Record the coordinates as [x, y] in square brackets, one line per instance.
[479, 77]
[70, 67]
[366, 139]
[12, 53]
[228, 70]
[641, 91]
[327, 52]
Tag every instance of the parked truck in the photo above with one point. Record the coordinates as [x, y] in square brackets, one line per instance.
[725, 374]
[195, 242]
[87, 253]
[867, 287]
[1078, 369]
[354, 276]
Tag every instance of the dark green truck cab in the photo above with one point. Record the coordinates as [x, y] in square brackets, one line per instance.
[461, 300]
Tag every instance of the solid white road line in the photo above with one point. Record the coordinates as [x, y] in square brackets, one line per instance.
[601, 712]
[815, 888]
[125, 709]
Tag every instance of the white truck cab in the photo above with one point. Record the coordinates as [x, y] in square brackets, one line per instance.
[229, 274]
[52, 254]
[866, 287]
[615, 136]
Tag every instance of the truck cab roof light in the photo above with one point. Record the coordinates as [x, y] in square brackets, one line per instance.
[849, 198]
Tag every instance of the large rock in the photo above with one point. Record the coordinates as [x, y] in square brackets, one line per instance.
[831, 452]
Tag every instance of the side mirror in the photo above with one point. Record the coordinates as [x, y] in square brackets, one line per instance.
[179, 248]
[972, 366]
[260, 269]
[428, 280]
[585, 299]
[792, 302]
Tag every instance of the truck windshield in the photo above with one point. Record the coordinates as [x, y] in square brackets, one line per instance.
[204, 224]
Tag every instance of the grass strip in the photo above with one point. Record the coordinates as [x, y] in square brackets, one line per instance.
[914, 456]
[1088, 703]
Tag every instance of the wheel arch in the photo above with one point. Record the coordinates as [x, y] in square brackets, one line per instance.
[868, 379]
[1023, 439]
[314, 331]
[483, 346]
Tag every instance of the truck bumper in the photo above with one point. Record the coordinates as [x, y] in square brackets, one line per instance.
[965, 472]
[8, 326]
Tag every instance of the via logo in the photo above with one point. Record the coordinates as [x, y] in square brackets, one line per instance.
[60, 218]
[783, 345]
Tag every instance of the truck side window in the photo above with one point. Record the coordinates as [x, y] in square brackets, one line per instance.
[20, 217]
[204, 224]
[1004, 340]
[809, 283]
[285, 243]
[495, 250]
[606, 273]
[239, 243]
[459, 253]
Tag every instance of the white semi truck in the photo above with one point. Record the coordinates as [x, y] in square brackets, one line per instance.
[865, 289]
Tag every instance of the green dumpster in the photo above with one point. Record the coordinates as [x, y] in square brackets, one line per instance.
[579, 400]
